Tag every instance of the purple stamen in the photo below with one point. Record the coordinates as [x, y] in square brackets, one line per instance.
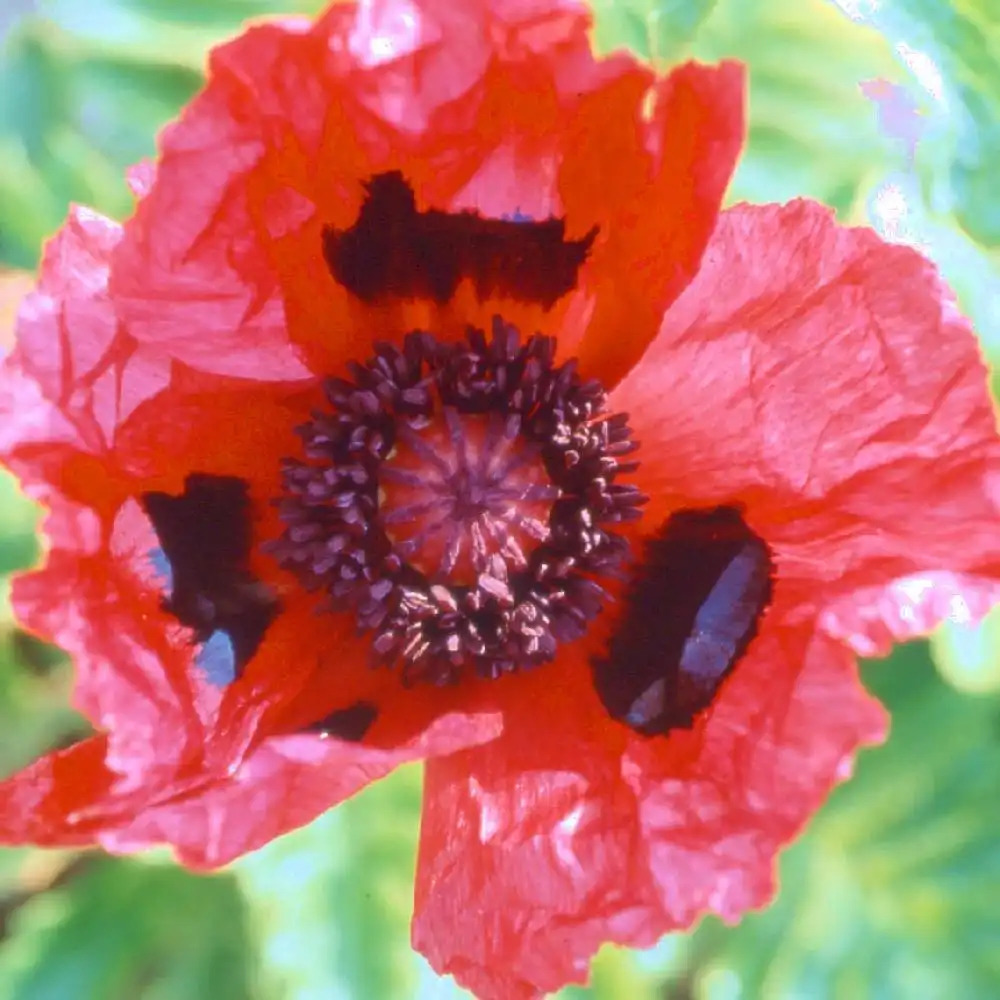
[459, 497]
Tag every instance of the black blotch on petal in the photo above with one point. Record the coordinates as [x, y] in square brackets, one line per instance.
[349, 724]
[205, 535]
[692, 609]
[394, 250]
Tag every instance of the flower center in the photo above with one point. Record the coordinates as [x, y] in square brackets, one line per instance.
[463, 492]
[460, 499]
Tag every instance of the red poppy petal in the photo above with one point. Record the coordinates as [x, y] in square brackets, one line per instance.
[655, 220]
[561, 839]
[825, 380]
[72, 356]
[873, 618]
[71, 797]
[90, 416]
[421, 57]
[497, 108]
[192, 243]
[40, 804]
[75, 390]
[172, 724]
[284, 784]
[784, 731]
[70, 382]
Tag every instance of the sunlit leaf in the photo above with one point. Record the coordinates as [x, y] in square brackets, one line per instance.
[947, 187]
[119, 930]
[951, 49]
[968, 656]
[330, 904]
[71, 120]
[812, 130]
[654, 29]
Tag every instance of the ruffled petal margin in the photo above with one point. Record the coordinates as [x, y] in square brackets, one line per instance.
[184, 757]
[558, 851]
[71, 797]
[501, 109]
[825, 380]
[812, 375]
[792, 378]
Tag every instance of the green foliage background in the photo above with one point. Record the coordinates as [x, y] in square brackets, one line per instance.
[892, 893]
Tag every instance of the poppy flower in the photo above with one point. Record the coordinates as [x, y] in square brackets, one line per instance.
[428, 408]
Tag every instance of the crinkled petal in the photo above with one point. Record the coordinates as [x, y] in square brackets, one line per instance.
[654, 226]
[71, 797]
[871, 619]
[72, 354]
[198, 333]
[90, 416]
[825, 380]
[418, 58]
[498, 108]
[40, 805]
[569, 832]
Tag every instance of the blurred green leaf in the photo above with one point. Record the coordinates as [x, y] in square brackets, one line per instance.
[330, 904]
[71, 120]
[158, 30]
[892, 893]
[83, 93]
[968, 656]
[638, 975]
[952, 49]
[654, 29]
[950, 207]
[34, 677]
[35, 685]
[18, 545]
[117, 930]
[812, 132]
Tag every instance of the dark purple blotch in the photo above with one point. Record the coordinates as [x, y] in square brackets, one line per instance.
[692, 608]
[205, 537]
[394, 250]
[349, 724]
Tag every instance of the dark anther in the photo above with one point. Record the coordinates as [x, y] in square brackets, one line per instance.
[205, 535]
[395, 250]
[463, 499]
[691, 611]
[348, 724]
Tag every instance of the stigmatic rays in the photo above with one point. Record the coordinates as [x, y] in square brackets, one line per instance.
[461, 499]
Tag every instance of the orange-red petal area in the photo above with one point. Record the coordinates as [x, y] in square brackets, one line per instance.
[811, 377]
[655, 220]
[91, 418]
[823, 382]
[826, 381]
[91, 431]
[499, 109]
[74, 798]
[570, 831]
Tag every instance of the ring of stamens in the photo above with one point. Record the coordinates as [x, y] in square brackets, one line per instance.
[461, 500]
